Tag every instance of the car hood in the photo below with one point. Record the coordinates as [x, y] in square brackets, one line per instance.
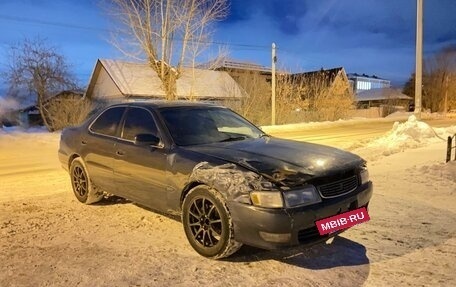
[282, 160]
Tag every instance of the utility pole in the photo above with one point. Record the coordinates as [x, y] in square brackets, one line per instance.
[273, 88]
[419, 57]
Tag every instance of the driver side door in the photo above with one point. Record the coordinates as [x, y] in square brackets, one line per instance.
[140, 169]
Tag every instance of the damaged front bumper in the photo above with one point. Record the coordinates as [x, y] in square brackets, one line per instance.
[275, 228]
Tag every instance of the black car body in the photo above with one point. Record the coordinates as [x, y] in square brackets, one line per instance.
[231, 183]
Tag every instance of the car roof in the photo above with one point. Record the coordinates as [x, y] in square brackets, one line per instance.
[157, 104]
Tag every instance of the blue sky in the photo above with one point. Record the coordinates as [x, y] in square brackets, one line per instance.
[364, 36]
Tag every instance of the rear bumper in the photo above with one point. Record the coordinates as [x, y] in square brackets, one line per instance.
[295, 226]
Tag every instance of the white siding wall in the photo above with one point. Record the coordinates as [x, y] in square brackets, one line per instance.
[105, 89]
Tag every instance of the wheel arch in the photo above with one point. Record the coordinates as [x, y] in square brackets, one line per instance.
[71, 158]
[187, 189]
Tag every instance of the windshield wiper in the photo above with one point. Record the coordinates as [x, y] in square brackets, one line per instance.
[231, 139]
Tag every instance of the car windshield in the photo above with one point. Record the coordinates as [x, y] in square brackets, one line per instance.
[203, 125]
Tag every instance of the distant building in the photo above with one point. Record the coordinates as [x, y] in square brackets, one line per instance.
[383, 96]
[334, 81]
[230, 64]
[365, 82]
[239, 70]
[30, 115]
[326, 77]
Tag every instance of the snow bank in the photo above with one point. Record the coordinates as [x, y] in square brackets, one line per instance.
[408, 135]
[424, 115]
[36, 134]
[340, 123]
[17, 131]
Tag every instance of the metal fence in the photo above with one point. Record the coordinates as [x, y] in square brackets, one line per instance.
[450, 147]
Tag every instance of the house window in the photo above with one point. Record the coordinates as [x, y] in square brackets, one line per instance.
[363, 85]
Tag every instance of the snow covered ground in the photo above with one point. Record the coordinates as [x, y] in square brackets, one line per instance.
[47, 238]
[349, 122]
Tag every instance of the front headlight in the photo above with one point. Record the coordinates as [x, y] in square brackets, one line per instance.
[271, 199]
[364, 175]
[300, 197]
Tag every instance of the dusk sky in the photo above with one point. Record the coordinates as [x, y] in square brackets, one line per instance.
[363, 36]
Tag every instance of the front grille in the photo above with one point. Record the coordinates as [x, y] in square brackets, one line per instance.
[339, 187]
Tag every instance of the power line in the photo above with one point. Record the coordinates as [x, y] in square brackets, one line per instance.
[73, 26]
[50, 23]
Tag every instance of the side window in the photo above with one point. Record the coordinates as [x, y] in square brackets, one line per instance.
[138, 121]
[108, 121]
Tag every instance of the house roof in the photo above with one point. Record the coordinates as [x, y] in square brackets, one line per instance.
[227, 63]
[356, 75]
[328, 75]
[140, 80]
[381, 94]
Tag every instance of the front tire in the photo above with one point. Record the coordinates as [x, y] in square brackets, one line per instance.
[207, 223]
[83, 188]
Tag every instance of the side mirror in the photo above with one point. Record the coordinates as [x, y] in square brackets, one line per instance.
[147, 139]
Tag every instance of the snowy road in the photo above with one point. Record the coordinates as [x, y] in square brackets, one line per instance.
[47, 238]
[343, 136]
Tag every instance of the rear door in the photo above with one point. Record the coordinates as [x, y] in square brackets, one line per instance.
[140, 170]
[98, 144]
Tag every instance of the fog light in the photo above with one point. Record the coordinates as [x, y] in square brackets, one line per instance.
[275, 237]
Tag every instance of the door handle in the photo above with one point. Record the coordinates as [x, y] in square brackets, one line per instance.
[119, 152]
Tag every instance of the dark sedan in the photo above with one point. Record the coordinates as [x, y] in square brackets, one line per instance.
[230, 182]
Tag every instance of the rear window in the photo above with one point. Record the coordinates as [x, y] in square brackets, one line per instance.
[108, 122]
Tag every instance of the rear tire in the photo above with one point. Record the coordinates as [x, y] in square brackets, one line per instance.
[83, 188]
[207, 223]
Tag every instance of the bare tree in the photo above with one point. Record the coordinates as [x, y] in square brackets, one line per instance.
[299, 98]
[212, 64]
[289, 103]
[409, 86]
[256, 101]
[439, 80]
[168, 33]
[38, 68]
[316, 96]
[335, 100]
[68, 110]
[392, 102]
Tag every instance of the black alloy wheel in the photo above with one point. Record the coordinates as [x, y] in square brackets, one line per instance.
[207, 223]
[80, 183]
[83, 188]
